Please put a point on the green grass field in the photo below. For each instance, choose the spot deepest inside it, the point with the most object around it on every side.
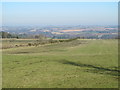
(75, 64)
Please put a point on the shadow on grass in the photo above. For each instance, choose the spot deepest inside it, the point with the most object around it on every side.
(94, 69)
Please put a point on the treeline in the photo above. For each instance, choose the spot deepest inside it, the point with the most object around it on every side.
(22, 36)
(8, 35)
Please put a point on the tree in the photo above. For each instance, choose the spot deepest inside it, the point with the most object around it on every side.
(4, 34)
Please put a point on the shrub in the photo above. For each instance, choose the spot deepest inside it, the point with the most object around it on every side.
(29, 44)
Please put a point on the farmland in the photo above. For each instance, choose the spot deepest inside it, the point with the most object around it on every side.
(76, 64)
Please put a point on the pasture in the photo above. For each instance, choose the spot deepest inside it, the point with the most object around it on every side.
(75, 64)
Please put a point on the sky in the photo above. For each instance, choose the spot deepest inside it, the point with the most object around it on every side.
(60, 0)
(59, 13)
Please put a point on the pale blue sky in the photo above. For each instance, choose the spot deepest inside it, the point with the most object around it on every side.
(60, 13)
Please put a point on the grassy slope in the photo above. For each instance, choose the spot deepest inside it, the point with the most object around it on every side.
(92, 64)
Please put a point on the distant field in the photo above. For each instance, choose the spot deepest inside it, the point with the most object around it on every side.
(72, 30)
(75, 64)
